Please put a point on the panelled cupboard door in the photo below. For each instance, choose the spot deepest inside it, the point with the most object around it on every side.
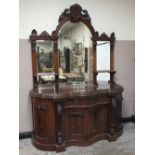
(100, 115)
(84, 123)
(44, 121)
(74, 124)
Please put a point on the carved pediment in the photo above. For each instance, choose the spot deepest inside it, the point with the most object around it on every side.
(42, 36)
(104, 36)
(44, 33)
(75, 13)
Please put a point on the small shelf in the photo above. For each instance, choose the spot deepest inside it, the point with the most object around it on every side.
(45, 73)
(106, 71)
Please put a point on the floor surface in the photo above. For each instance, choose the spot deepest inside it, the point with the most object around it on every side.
(125, 145)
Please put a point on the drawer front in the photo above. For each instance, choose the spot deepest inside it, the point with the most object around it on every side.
(87, 103)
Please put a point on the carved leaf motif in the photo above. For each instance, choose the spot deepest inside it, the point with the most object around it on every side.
(75, 13)
(75, 10)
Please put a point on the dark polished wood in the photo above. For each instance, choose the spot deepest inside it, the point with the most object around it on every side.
(75, 114)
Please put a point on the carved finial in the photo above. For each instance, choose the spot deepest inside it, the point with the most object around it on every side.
(112, 37)
(112, 40)
(34, 32)
(54, 35)
(75, 13)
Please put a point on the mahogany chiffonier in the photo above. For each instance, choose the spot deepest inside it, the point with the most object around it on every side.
(74, 100)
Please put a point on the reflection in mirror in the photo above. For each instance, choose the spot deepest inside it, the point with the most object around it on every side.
(44, 52)
(75, 52)
(103, 60)
(103, 77)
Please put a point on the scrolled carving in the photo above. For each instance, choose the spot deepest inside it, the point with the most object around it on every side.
(75, 13)
(85, 14)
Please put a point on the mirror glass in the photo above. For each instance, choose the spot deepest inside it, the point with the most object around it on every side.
(44, 53)
(103, 60)
(75, 52)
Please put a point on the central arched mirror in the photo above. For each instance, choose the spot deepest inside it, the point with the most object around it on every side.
(75, 52)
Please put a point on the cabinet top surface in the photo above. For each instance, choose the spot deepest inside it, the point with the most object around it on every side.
(75, 90)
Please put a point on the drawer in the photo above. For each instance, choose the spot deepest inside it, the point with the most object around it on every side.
(86, 102)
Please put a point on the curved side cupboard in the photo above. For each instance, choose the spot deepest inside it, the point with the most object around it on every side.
(75, 100)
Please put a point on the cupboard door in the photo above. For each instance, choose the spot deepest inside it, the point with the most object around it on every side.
(100, 120)
(74, 124)
(44, 121)
(82, 124)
